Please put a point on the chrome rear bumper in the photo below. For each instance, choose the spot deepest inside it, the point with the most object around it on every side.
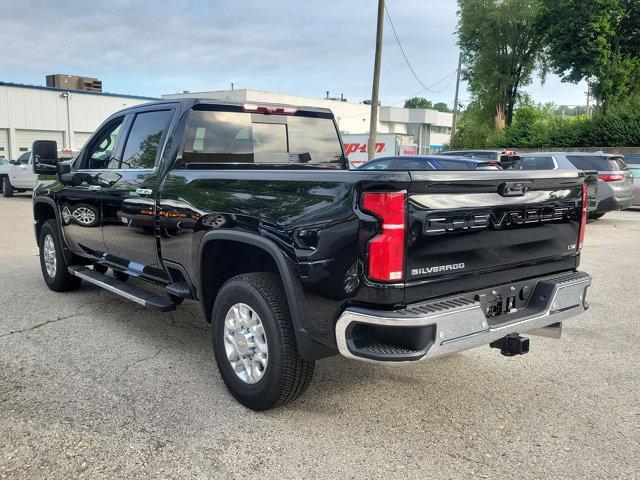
(456, 324)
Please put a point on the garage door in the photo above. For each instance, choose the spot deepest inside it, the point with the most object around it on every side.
(4, 143)
(80, 138)
(25, 138)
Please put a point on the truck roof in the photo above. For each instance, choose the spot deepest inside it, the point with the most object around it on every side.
(191, 102)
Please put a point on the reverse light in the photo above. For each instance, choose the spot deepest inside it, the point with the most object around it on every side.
(583, 219)
(269, 109)
(611, 177)
(386, 250)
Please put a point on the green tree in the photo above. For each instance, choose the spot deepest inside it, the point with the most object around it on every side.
(501, 43)
(442, 107)
(597, 41)
(418, 102)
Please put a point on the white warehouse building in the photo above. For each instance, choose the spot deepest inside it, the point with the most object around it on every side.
(430, 130)
(29, 113)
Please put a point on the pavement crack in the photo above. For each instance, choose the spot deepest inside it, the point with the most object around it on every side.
(140, 360)
(47, 322)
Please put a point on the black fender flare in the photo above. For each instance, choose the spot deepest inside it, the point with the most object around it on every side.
(308, 349)
(51, 202)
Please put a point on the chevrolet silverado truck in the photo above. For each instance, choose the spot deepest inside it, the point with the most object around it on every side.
(250, 209)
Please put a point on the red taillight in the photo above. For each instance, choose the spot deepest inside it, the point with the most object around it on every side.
(269, 109)
(386, 250)
(611, 178)
(583, 221)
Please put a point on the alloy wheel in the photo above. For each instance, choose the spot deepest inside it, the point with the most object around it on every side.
(49, 254)
(245, 343)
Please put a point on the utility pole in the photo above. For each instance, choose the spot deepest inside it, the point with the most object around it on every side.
(455, 100)
(373, 126)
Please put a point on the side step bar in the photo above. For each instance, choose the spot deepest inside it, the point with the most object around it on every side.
(144, 298)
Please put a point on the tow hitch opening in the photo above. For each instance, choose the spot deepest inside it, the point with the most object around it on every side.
(511, 345)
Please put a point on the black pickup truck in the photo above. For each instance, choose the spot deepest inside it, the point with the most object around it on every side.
(250, 210)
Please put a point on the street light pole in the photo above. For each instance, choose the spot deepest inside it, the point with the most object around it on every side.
(373, 126)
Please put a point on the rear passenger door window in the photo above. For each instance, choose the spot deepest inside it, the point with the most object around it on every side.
(537, 163)
(453, 165)
(143, 141)
(386, 164)
(413, 164)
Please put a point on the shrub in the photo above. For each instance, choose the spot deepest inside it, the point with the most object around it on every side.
(536, 126)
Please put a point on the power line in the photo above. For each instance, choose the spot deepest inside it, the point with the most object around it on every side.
(449, 75)
(406, 59)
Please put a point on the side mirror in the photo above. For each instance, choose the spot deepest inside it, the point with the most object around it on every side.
(45, 156)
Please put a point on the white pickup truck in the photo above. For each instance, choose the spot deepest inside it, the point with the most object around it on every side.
(17, 175)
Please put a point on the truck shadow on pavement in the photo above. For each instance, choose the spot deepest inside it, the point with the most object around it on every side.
(178, 343)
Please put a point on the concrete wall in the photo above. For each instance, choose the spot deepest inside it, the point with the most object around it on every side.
(40, 108)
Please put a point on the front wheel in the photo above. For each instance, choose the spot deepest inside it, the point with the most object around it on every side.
(7, 188)
(254, 342)
(594, 215)
(54, 265)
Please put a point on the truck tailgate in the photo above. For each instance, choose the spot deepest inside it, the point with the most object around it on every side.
(489, 227)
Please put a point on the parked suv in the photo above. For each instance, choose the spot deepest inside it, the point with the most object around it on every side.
(615, 179)
(250, 210)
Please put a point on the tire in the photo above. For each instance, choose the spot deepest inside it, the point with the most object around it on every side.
(123, 277)
(286, 375)
(7, 188)
(595, 216)
(52, 261)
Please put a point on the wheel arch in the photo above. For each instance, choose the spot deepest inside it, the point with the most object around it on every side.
(217, 250)
(44, 209)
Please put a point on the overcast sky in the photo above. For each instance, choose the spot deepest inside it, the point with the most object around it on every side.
(291, 46)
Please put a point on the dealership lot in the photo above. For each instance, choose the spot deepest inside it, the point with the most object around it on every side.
(93, 386)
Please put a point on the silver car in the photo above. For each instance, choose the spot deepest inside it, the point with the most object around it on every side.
(615, 180)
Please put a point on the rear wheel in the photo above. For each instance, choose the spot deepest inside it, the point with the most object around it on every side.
(254, 342)
(52, 261)
(7, 188)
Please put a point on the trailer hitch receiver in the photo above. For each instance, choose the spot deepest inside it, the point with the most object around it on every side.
(511, 345)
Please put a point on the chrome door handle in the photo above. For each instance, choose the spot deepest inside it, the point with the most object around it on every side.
(144, 191)
(95, 188)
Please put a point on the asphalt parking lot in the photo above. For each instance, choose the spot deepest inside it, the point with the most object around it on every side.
(94, 386)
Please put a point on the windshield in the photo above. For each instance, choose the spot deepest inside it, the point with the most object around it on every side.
(243, 137)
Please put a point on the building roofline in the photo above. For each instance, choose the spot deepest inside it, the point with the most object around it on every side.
(87, 92)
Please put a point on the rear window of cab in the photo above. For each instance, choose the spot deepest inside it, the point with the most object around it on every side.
(244, 137)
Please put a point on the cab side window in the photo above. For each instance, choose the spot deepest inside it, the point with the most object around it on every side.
(23, 159)
(101, 153)
(141, 149)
